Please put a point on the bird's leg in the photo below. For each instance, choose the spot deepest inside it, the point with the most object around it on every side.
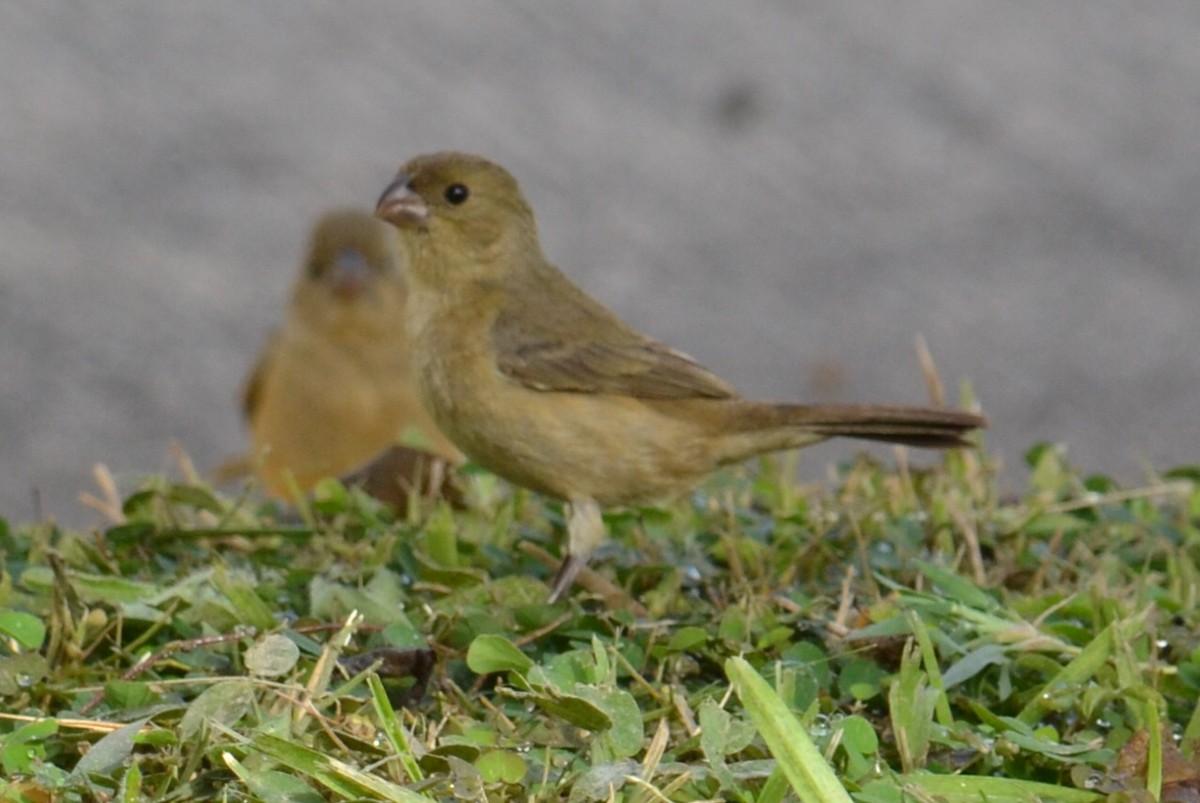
(585, 531)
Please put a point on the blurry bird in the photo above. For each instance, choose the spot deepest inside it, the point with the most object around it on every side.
(538, 382)
(332, 392)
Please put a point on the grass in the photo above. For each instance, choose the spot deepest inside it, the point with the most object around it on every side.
(892, 635)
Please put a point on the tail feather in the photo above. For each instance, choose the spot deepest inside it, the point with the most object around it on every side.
(927, 427)
(754, 427)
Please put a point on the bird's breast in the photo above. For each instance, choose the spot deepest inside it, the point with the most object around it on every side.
(610, 448)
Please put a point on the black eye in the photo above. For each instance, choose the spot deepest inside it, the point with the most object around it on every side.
(456, 193)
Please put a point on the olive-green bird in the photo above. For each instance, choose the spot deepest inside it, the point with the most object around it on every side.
(538, 382)
(333, 388)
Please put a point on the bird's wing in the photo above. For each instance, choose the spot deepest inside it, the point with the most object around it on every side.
(253, 389)
(579, 346)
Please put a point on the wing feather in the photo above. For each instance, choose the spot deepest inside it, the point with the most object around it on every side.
(579, 346)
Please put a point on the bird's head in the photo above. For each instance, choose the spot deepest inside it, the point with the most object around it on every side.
(353, 283)
(458, 209)
(349, 252)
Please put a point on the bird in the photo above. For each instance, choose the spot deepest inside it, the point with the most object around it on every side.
(332, 393)
(539, 383)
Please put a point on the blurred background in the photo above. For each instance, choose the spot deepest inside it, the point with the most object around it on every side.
(789, 191)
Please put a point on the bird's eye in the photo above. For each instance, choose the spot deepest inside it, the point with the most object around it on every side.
(456, 193)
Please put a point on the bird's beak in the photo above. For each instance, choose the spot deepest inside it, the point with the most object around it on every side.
(349, 275)
(401, 206)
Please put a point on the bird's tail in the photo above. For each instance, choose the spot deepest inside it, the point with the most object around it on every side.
(756, 427)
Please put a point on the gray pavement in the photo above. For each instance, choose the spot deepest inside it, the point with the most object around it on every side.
(790, 191)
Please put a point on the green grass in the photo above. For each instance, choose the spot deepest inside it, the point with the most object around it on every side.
(892, 635)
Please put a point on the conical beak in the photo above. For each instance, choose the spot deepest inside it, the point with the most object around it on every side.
(401, 206)
(349, 275)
